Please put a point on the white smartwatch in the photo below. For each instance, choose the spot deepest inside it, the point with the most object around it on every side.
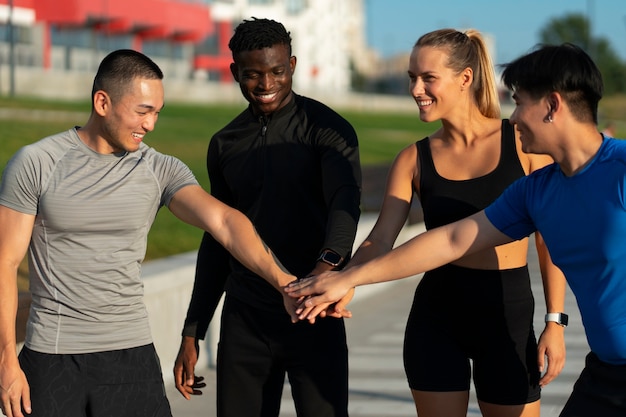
(559, 318)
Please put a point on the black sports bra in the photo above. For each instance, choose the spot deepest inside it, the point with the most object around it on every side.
(445, 201)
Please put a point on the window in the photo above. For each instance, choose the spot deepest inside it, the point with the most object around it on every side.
(296, 6)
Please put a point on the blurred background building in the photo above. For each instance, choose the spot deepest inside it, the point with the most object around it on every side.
(187, 38)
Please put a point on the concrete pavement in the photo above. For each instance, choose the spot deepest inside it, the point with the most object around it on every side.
(378, 385)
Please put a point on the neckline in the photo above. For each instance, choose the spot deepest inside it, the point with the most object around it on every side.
(481, 177)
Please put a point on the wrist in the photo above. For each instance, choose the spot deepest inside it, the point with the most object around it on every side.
(190, 330)
(351, 275)
(283, 281)
(560, 319)
(8, 356)
(330, 257)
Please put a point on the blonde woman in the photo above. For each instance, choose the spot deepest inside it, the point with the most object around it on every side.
(473, 315)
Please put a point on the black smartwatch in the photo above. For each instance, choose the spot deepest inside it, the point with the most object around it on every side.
(330, 257)
(559, 318)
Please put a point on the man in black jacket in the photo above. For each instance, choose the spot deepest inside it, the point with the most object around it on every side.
(291, 164)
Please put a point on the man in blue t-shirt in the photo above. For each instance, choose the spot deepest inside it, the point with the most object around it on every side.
(578, 204)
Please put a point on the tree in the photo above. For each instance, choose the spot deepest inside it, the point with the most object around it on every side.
(576, 28)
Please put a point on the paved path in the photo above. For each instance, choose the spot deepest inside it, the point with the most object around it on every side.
(377, 382)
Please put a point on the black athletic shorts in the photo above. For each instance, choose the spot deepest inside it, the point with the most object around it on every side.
(120, 383)
(600, 391)
(483, 316)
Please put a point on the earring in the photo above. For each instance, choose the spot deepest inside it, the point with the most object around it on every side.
(548, 119)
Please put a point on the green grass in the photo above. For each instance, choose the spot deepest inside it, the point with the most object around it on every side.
(184, 131)
(613, 108)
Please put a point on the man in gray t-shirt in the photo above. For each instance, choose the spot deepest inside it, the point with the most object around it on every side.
(81, 202)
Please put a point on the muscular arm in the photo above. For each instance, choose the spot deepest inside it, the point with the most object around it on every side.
(232, 230)
(15, 233)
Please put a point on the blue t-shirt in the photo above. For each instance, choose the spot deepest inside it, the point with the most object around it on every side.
(583, 221)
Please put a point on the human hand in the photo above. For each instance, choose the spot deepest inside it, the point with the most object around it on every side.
(14, 391)
(320, 291)
(186, 382)
(551, 345)
(330, 309)
(338, 310)
(291, 306)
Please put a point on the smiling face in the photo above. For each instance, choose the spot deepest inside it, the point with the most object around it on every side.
(530, 118)
(128, 118)
(433, 85)
(265, 77)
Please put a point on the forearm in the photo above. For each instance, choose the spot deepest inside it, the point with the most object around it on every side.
(430, 250)
(424, 252)
(343, 219)
(408, 259)
(554, 282)
(241, 239)
(554, 286)
(380, 240)
(232, 229)
(8, 313)
(369, 249)
(15, 235)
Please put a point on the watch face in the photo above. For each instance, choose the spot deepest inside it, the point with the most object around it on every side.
(564, 319)
(331, 258)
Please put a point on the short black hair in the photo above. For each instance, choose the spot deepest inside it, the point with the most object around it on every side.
(119, 68)
(254, 34)
(566, 69)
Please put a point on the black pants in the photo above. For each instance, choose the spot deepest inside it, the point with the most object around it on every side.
(258, 347)
(118, 383)
(599, 391)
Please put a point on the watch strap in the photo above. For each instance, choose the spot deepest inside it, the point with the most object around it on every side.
(559, 318)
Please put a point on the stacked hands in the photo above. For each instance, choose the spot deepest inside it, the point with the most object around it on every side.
(323, 295)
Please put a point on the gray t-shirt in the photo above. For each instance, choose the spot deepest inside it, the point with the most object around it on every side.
(93, 213)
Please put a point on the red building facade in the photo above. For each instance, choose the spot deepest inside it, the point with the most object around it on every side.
(140, 20)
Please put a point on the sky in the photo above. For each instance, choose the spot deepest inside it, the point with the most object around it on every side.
(393, 26)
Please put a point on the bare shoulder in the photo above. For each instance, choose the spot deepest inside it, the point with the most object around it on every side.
(406, 161)
(409, 153)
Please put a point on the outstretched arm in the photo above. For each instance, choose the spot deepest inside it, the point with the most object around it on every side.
(232, 229)
(424, 252)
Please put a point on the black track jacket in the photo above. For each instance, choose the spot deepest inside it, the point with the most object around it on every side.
(296, 175)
